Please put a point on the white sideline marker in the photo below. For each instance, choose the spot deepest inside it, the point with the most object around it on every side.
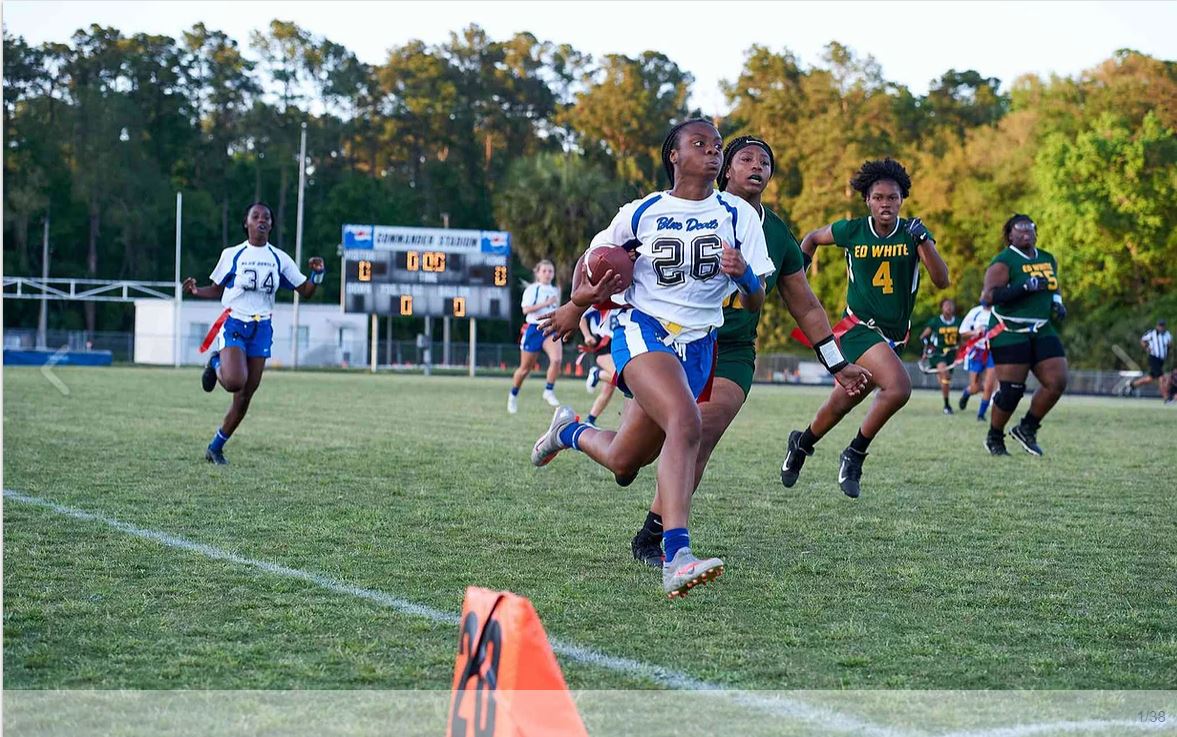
(829, 719)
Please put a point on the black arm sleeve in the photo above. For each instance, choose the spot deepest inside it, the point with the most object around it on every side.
(1007, 294)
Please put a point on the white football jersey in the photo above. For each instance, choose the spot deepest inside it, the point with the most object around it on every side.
(977, 319)
(601, 325)
(538, 294)
(251, 276)
(677, 278)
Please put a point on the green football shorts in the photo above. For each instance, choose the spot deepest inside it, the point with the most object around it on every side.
(736, 364)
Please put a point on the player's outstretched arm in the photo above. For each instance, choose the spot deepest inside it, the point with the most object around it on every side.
(212, 291)
(925, 246)
(805, 308)
(318, 270)
(823, 236)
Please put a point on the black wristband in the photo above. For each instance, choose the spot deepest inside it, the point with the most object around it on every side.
(807, 260)
(829, 355)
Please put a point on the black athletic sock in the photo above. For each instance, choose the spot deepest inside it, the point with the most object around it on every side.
(995, 433)
(807, 439)
(860, 443)
(1031, 422)
(653, 525)
(946, 403)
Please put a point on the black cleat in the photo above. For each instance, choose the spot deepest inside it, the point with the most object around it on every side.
(215, 457)
(647, 549)
(850, 471)
(1028, 438)
(626, 480)
(947, 410)
(995, 444)
(208, 379)
(795, 457)
(964, 401)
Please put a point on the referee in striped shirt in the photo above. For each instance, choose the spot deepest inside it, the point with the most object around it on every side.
(1156, 342)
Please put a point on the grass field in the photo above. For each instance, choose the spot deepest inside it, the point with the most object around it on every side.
(953, 571)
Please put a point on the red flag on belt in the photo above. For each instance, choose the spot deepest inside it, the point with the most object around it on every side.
(212, 331)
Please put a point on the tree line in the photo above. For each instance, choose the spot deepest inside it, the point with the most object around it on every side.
(543, 140)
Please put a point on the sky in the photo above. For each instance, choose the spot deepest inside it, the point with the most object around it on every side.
(918, 42)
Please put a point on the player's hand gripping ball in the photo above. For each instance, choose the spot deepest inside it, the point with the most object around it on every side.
(607, 258)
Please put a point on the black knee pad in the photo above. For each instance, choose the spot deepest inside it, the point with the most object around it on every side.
(1009, 393)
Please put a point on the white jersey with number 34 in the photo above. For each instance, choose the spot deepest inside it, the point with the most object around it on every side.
(677, 277)
(251, 276)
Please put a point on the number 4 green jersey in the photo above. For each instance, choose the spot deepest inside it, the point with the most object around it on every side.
(883, 273)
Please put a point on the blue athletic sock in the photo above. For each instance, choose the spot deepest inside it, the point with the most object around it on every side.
(215, 362)
(591, 419)
(674, 541)
(570, 435)
(549, 387)
(514, 391)
(219, 440)
(984, 407)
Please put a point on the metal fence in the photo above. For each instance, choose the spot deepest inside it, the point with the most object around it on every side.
(774, 368)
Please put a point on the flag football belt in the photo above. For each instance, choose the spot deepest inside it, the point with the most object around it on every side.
(845, 325)
(962, 353)
(602, 346)
(1032, 324)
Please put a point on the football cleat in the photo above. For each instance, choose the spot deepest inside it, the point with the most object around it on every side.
(947, 410)
(512, 403)
(593, 378)
(208, 379)
(548, 445)
(794, 459)
(215, 457)
(964, 401)
(550, 398)
(686, 571)
(647, 548)
(1028, 439)
(850, 472)
(995, 444)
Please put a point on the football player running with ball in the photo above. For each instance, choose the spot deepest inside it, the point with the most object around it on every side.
(694, 245)
(1022, 285)
(883, 257)
(748, 165)
(246, 279)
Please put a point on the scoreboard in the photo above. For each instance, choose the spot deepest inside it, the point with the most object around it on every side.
(426, 272)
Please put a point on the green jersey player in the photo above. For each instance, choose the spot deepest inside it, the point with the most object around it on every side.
(1022, 285)
(883, 255)
(941, 339)
(748, 164)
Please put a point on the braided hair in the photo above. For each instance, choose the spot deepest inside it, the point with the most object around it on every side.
(875, 171)
(671, 141)
(733, 148)
(1009, 226)
(245, 217)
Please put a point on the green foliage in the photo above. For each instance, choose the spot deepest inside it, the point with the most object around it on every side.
(553, 204)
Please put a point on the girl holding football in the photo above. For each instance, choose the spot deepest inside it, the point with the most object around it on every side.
(246, 279)
(694, 245)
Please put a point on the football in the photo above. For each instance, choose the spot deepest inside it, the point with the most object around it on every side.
(605, 258)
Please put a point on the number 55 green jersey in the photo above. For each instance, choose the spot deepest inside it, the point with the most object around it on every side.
(883, 273)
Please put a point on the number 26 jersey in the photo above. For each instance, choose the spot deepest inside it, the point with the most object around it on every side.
(883, 273)
(677, 277)
(251, 276)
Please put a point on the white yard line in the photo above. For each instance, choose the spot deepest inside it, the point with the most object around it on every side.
(829, 720)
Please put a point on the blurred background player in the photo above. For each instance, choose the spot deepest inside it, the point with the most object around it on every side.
(246, 279)
(748, 165)
(597, 327)
(1022, 285)
(941, 338)
(694, 245)
(539, 300)
(1156, 342)
(979, 360)
(883, 257)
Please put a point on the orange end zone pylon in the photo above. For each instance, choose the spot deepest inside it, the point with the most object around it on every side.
(507, 682)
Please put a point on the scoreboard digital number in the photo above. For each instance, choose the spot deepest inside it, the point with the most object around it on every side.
(426, 272)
